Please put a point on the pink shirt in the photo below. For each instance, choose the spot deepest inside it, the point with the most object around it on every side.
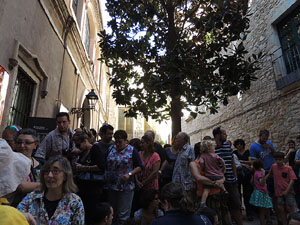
(282, 178)
(148, 169)
(258, 175)
(213, 164)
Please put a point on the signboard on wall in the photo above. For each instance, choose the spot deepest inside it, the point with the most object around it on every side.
(42, 125)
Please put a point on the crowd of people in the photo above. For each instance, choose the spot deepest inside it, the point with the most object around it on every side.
(78, 177)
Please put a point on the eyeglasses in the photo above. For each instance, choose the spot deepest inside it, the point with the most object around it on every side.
(12, 127)
(54, 172)
(25, 142)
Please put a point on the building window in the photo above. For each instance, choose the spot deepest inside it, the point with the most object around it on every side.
(289, 34)
(287, 65)
(86, 40)
(22, 100)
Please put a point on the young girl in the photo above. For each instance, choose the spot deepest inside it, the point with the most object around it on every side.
(213, 167)
(259, 196)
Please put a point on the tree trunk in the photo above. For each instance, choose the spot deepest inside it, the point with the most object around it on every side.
(176, 113)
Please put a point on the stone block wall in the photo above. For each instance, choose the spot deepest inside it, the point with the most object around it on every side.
(263, 106)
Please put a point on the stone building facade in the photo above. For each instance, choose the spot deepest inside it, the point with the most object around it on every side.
(49, 53)
(273, 101)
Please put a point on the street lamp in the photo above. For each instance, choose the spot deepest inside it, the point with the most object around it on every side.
(92, 99)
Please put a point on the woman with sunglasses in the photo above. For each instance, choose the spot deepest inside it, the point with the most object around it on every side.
(88, 177)
(26, 142)
(55, 202)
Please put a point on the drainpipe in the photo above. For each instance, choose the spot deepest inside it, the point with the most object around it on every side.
(69, 23)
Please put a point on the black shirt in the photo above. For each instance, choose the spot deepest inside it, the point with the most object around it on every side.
(50, 206)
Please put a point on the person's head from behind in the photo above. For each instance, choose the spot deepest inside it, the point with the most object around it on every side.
(258, 164)
(136, 142)
(63, 122)
(83, 139)
(120, 137)
(9, 134)
(210, 214)
(167, 146)
(150, 199)
(197, 149)
(57, 174)
(263, 136)
(147, 144)
(239, 144)
(207, 138)
(106, 133)
(173, 197)
(102, 214)
(207, 147)
(279, 158)
(294, 219)
(26, 141)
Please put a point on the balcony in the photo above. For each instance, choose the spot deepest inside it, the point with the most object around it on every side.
(286, 66)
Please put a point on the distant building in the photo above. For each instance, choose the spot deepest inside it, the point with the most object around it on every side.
(273, 101)
(49, 51)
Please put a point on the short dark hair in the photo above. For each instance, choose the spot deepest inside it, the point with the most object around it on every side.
(291, 141)
(100, 211)
(105, 127)
(62, 114)
(147, 197)
(264, 131)
(278, 155)
(136, 142)
(258, 164)
(120, 134)
(197, 149)
(239, 141)
(28, 131)
(217, 131)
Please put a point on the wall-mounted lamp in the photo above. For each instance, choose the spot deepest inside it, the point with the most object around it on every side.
(92, 99)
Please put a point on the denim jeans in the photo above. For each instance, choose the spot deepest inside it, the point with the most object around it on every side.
(121, 202)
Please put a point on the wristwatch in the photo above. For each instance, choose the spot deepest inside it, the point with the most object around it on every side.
(130, 174)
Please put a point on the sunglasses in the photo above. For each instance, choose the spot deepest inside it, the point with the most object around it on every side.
(12, 127)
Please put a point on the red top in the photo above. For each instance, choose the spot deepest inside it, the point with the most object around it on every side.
(148, 169)
(282, 178)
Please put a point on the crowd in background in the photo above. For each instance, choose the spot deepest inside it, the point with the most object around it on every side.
(85, 177)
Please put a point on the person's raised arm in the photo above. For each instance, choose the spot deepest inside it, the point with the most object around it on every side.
(198, 177)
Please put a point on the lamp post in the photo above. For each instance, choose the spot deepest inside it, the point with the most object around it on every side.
(92, 99)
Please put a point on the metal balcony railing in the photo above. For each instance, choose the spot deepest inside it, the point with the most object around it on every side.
(286, 66)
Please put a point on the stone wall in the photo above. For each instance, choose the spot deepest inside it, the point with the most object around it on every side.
(263, 106)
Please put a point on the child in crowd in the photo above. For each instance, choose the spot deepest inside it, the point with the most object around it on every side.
(213, 167)
(259, 196)
(284, 178)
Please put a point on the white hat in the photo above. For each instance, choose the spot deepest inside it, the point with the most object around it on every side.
(14, 168)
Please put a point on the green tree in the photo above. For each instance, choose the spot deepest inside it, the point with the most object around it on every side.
(166, 55)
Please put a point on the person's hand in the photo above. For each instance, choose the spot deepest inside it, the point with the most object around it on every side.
(30, 218)
(125, 177)
(78, 166)
(75, 152)
(267, 146)
(285, 193)
(218, 183)
(139, 184)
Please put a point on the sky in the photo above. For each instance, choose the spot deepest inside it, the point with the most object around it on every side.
(164, 128)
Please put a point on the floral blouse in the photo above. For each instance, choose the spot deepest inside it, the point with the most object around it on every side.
(69, 209)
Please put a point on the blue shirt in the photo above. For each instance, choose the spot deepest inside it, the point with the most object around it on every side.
(176, 217)
(257, 151)
(225, 152)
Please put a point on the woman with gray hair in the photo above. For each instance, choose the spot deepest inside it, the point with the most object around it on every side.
(56, 202)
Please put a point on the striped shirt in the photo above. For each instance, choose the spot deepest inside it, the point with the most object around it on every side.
(225, 152)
